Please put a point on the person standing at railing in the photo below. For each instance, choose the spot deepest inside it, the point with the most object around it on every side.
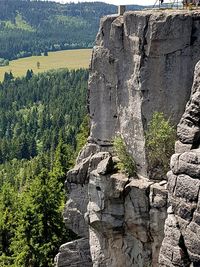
(189, 3)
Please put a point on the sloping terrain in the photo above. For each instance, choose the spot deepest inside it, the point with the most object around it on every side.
(31, 27)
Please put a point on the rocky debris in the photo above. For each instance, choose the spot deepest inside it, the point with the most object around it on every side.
(74, 254)
(181, 245)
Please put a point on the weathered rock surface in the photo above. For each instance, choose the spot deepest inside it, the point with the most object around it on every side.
(142, 62)
(181, 245)
(74, 254)
(123, 216)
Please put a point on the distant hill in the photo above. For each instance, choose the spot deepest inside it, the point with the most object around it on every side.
(32, 27)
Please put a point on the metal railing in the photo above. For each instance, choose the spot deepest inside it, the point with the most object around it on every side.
(173, 4)
(176, 4)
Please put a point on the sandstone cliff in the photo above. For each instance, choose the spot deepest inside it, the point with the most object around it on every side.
(142, 62)
(181, 245)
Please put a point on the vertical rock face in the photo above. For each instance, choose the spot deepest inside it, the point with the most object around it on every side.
(181, 245)
(142, 62)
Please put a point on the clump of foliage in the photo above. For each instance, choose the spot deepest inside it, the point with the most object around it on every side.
(4, 62)
(126, 163)
(160, 139)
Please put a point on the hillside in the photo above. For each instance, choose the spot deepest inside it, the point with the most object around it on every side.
(31, 27)
(43, 124)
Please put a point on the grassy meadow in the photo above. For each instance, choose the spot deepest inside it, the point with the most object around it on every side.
(71, 59)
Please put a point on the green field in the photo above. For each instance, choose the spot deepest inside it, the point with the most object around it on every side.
(71, 59)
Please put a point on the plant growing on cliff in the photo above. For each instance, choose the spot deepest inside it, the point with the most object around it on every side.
(160, 139)
(126, 163)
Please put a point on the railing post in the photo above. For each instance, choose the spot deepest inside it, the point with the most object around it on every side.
(121, 10)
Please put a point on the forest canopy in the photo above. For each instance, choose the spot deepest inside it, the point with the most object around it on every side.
(34, 27)
(43, 124)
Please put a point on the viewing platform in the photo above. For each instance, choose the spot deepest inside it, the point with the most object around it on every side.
(167, 5)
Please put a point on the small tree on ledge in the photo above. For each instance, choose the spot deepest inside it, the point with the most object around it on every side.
(160, 140)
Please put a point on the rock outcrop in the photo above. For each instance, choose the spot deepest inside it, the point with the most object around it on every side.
(181, 245)
(142, 62)
(75, 253)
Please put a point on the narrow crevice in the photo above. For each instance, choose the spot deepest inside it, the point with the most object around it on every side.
(193, 37)
(184, 255)
(143, 42)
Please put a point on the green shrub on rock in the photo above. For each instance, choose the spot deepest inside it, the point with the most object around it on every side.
(126, 163)
(160, 139)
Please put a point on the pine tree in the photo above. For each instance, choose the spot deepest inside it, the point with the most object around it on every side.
(8, 207)
(40, 228)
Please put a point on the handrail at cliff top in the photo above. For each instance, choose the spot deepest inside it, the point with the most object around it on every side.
(156, 3)
(171, 4)
(176, 4)
(161, 4)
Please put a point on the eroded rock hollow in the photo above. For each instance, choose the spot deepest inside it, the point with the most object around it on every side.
(142, 62)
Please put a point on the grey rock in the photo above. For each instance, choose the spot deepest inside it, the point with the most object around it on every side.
(137, 208)
(192, 242)
(79, 174)
(181, 245)
(142, 62)
(184, 212)
(75, 208)
(97, 158)
(138, 57)
(170, 210)
(181, 148)
(88, 150)
(188, 163)
(145, 206)
(74, 254)
(171, 182)
(188, 129)
(164, 182)
(105, 166)
(187, 187)
(158, 196)
(105, 207)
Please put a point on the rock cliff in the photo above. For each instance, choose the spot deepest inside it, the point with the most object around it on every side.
(142, 62)
(181, 245)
